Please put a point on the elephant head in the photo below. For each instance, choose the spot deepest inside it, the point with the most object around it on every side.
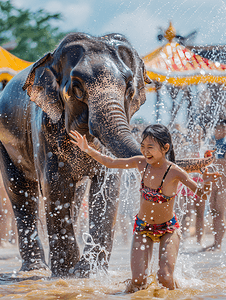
(98, 82)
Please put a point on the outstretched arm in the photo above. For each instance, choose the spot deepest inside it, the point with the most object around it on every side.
(109, 162)
(200, 190)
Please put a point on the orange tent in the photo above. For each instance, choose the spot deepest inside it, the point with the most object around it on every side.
(10, 65)
(176, 65)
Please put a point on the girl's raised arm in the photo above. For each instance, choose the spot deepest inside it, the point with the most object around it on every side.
(109, 162)
(201, 190)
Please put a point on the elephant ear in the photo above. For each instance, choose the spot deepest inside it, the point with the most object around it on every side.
(43, 89)
(145, 75)
(141, 78)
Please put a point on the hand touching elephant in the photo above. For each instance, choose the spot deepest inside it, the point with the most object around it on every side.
(89, 84)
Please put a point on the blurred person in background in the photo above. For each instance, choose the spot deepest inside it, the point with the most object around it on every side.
(217, 199)
(193, 205)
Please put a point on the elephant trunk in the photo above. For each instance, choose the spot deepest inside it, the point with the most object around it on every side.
(108, 122)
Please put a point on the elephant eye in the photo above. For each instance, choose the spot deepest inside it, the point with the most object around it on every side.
(77, 89)
(130, 90)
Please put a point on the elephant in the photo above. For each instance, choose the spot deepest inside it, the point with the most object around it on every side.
(92, 85)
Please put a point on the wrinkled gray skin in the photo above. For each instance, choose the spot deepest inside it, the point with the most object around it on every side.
(89, 84)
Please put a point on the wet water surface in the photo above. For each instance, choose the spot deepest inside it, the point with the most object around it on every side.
(201, 275)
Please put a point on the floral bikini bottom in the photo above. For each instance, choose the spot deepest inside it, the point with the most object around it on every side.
(155, 231)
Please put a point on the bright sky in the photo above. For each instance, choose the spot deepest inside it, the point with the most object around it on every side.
(139, 20)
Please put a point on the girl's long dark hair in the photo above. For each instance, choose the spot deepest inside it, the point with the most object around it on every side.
(162, 136)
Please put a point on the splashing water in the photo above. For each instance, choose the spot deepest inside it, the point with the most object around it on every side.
(197, 273)
(201, 275)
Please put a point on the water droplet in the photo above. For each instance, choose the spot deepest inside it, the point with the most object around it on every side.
(49, 154)
(142, 247)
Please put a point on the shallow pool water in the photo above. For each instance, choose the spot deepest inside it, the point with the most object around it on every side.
(201, 275)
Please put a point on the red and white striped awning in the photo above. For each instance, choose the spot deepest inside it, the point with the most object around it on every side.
(176, 65)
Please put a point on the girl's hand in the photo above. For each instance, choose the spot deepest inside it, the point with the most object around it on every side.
(210, 177)
(79, 140)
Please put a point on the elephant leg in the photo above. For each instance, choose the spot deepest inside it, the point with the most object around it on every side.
(23, 194)
(103, 205)
(80, 193)
(59, 192)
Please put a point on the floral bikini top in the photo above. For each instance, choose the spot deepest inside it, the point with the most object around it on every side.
(153, 195)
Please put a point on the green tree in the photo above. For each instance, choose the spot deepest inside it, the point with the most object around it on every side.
(32, 31)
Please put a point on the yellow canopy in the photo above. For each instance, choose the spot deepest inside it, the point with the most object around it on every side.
(10, 65)
(176, 65)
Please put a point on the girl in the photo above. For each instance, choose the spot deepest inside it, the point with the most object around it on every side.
(156, 220)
